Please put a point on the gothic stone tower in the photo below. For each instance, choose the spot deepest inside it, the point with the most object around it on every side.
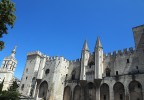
(7, 69)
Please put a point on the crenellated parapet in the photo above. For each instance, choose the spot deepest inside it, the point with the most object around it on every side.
(124, 52)
(56, 58)
(75, 61)
(38, 53)
(34, 53)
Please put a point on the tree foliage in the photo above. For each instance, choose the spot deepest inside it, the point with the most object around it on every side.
(13, 87)
(11, 94)
(7, 18)
(1, 86)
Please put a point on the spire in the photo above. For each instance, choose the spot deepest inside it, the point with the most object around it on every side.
(13, 52)
(98, 43)
(85, 46)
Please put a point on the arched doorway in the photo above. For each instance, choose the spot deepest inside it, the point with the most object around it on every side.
(135, 90)
(67, 93)
(104, 92)
(90, 92)
(119, 91)
(77, 93)
(43, 90)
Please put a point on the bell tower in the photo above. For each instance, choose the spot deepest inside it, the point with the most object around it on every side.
(9, 63)
(8, 68)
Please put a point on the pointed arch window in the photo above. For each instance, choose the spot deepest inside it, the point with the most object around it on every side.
(73, 75)
(108, 72)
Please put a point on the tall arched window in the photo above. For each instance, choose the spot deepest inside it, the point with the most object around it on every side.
(104, 92)
(77, 93)
(135, 90)
(90, 91)
(43, 90)
(119, 91)
(67, 93)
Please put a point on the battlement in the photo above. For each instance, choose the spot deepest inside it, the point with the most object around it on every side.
(51, 58)
(123, 52)
(35, 53)
(59, 58)
(75, 61)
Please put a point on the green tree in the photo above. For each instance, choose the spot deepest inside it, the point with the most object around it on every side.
(1, 86)
(11, 94)
(13, 87)
(7, 18)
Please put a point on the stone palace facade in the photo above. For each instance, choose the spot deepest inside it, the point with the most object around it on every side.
(95, 76)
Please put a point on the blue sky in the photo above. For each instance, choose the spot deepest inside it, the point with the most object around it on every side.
(59, 27)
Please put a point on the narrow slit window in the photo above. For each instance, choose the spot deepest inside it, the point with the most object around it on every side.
(139, 86)
(116, 72)
(136, 67)
(127, 60)
(27, 70)
(22, 87)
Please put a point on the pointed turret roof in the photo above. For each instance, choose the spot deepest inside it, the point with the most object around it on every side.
(13, 52)
(85, 46)
(98, 43)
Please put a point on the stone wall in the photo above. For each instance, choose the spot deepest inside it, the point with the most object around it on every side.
(125, 87)
(95, 76)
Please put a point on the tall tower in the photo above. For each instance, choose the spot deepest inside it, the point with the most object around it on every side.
(8, 68)
(98, 59)
(35, 60)
(138, 33)
(84, 60)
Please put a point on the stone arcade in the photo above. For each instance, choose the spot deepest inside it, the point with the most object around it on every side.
(95, 76)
